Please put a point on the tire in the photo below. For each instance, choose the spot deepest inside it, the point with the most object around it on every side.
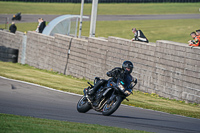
(7, 50)
(2, 49)
(12, 51)
(8, 56)
(108, 109)
(9, 60)
(83, 106)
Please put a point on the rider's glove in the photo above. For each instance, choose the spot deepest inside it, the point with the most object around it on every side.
(127, 92)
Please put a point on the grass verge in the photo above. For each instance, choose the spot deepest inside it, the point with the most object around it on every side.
(103, 8)
(172, 30)
(71, 84)
(22, 124)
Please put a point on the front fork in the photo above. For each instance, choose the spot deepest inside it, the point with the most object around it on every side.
(113, 96)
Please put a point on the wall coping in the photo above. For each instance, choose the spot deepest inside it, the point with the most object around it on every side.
(100, 39)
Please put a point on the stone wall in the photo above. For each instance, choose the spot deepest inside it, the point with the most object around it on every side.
(177, 71)
(167, 68)
(47, 52)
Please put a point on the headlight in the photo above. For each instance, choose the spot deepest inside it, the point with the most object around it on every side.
(121, 87)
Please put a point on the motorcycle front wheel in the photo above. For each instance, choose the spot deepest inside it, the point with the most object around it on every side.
(111, 107)
(83, 106)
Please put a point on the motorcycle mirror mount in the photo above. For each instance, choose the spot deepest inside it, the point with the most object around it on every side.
(131, 86)
(135, 81)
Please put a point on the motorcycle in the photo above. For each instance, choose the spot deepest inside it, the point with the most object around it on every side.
(108, 97)
(17, 16)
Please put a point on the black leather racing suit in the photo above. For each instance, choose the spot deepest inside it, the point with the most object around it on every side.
(115, 73)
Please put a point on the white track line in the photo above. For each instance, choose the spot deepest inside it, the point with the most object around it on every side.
(41, 86)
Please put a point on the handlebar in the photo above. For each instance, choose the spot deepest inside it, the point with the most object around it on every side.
(90, 85)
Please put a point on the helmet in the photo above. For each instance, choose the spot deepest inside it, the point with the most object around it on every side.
(127, 64)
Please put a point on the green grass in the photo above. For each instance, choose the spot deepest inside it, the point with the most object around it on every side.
(103, 9)
(172, 30)
(22, 124)
(71, 84)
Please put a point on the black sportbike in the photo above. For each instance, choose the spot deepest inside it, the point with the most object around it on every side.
(107, 99)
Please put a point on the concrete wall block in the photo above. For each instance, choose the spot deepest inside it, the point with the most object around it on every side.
(62, 37)
(96, 55)
(111, 58)
(192, 67)
(192, 97)
(96, 50)
(194, 50)
(79, 46)
(134, 49)
(91, 74)
(93, 40)
(116, 55)
(118, 46)
(194, 74)
(98, 46)
(142, 61)
(95, 60)
(76, 65)
(79, 61)
(180, 48)
(193, 56)
(78, 54)
(119, 51)
(80, 41)
(119, 40)
(192, 62)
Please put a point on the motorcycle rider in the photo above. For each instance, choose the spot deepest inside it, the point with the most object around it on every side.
(139, 36)
(123, 73)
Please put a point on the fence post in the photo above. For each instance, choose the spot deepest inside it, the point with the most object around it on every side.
(76, 28)
(24, 41)
(7, 23)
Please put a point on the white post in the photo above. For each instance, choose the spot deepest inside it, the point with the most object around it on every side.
(81, 18)
(76, 28)
(7, 23)
(93, 18)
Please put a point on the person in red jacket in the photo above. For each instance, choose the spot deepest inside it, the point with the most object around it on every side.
(198, 34)
(195, 42)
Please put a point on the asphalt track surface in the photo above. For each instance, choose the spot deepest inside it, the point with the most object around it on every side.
(27, 99)
(33, 18)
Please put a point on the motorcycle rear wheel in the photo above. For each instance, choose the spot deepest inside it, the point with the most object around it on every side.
(83, 106)
(111, 107)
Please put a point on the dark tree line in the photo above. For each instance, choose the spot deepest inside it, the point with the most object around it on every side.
(109, 1)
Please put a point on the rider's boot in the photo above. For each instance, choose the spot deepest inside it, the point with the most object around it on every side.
(96, 87)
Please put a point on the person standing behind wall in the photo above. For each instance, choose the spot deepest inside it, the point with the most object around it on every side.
(37, 29)
(13, 28)
(195, 42)
(139, 36)
(198, 34)
(42, 25)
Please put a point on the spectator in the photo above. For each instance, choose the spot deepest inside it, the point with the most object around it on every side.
(195, 42)
(13, 27)
(41, 25)
(198, 34)
(139, 36)
(37, 29)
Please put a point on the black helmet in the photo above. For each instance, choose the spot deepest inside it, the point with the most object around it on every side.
(127, 64)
